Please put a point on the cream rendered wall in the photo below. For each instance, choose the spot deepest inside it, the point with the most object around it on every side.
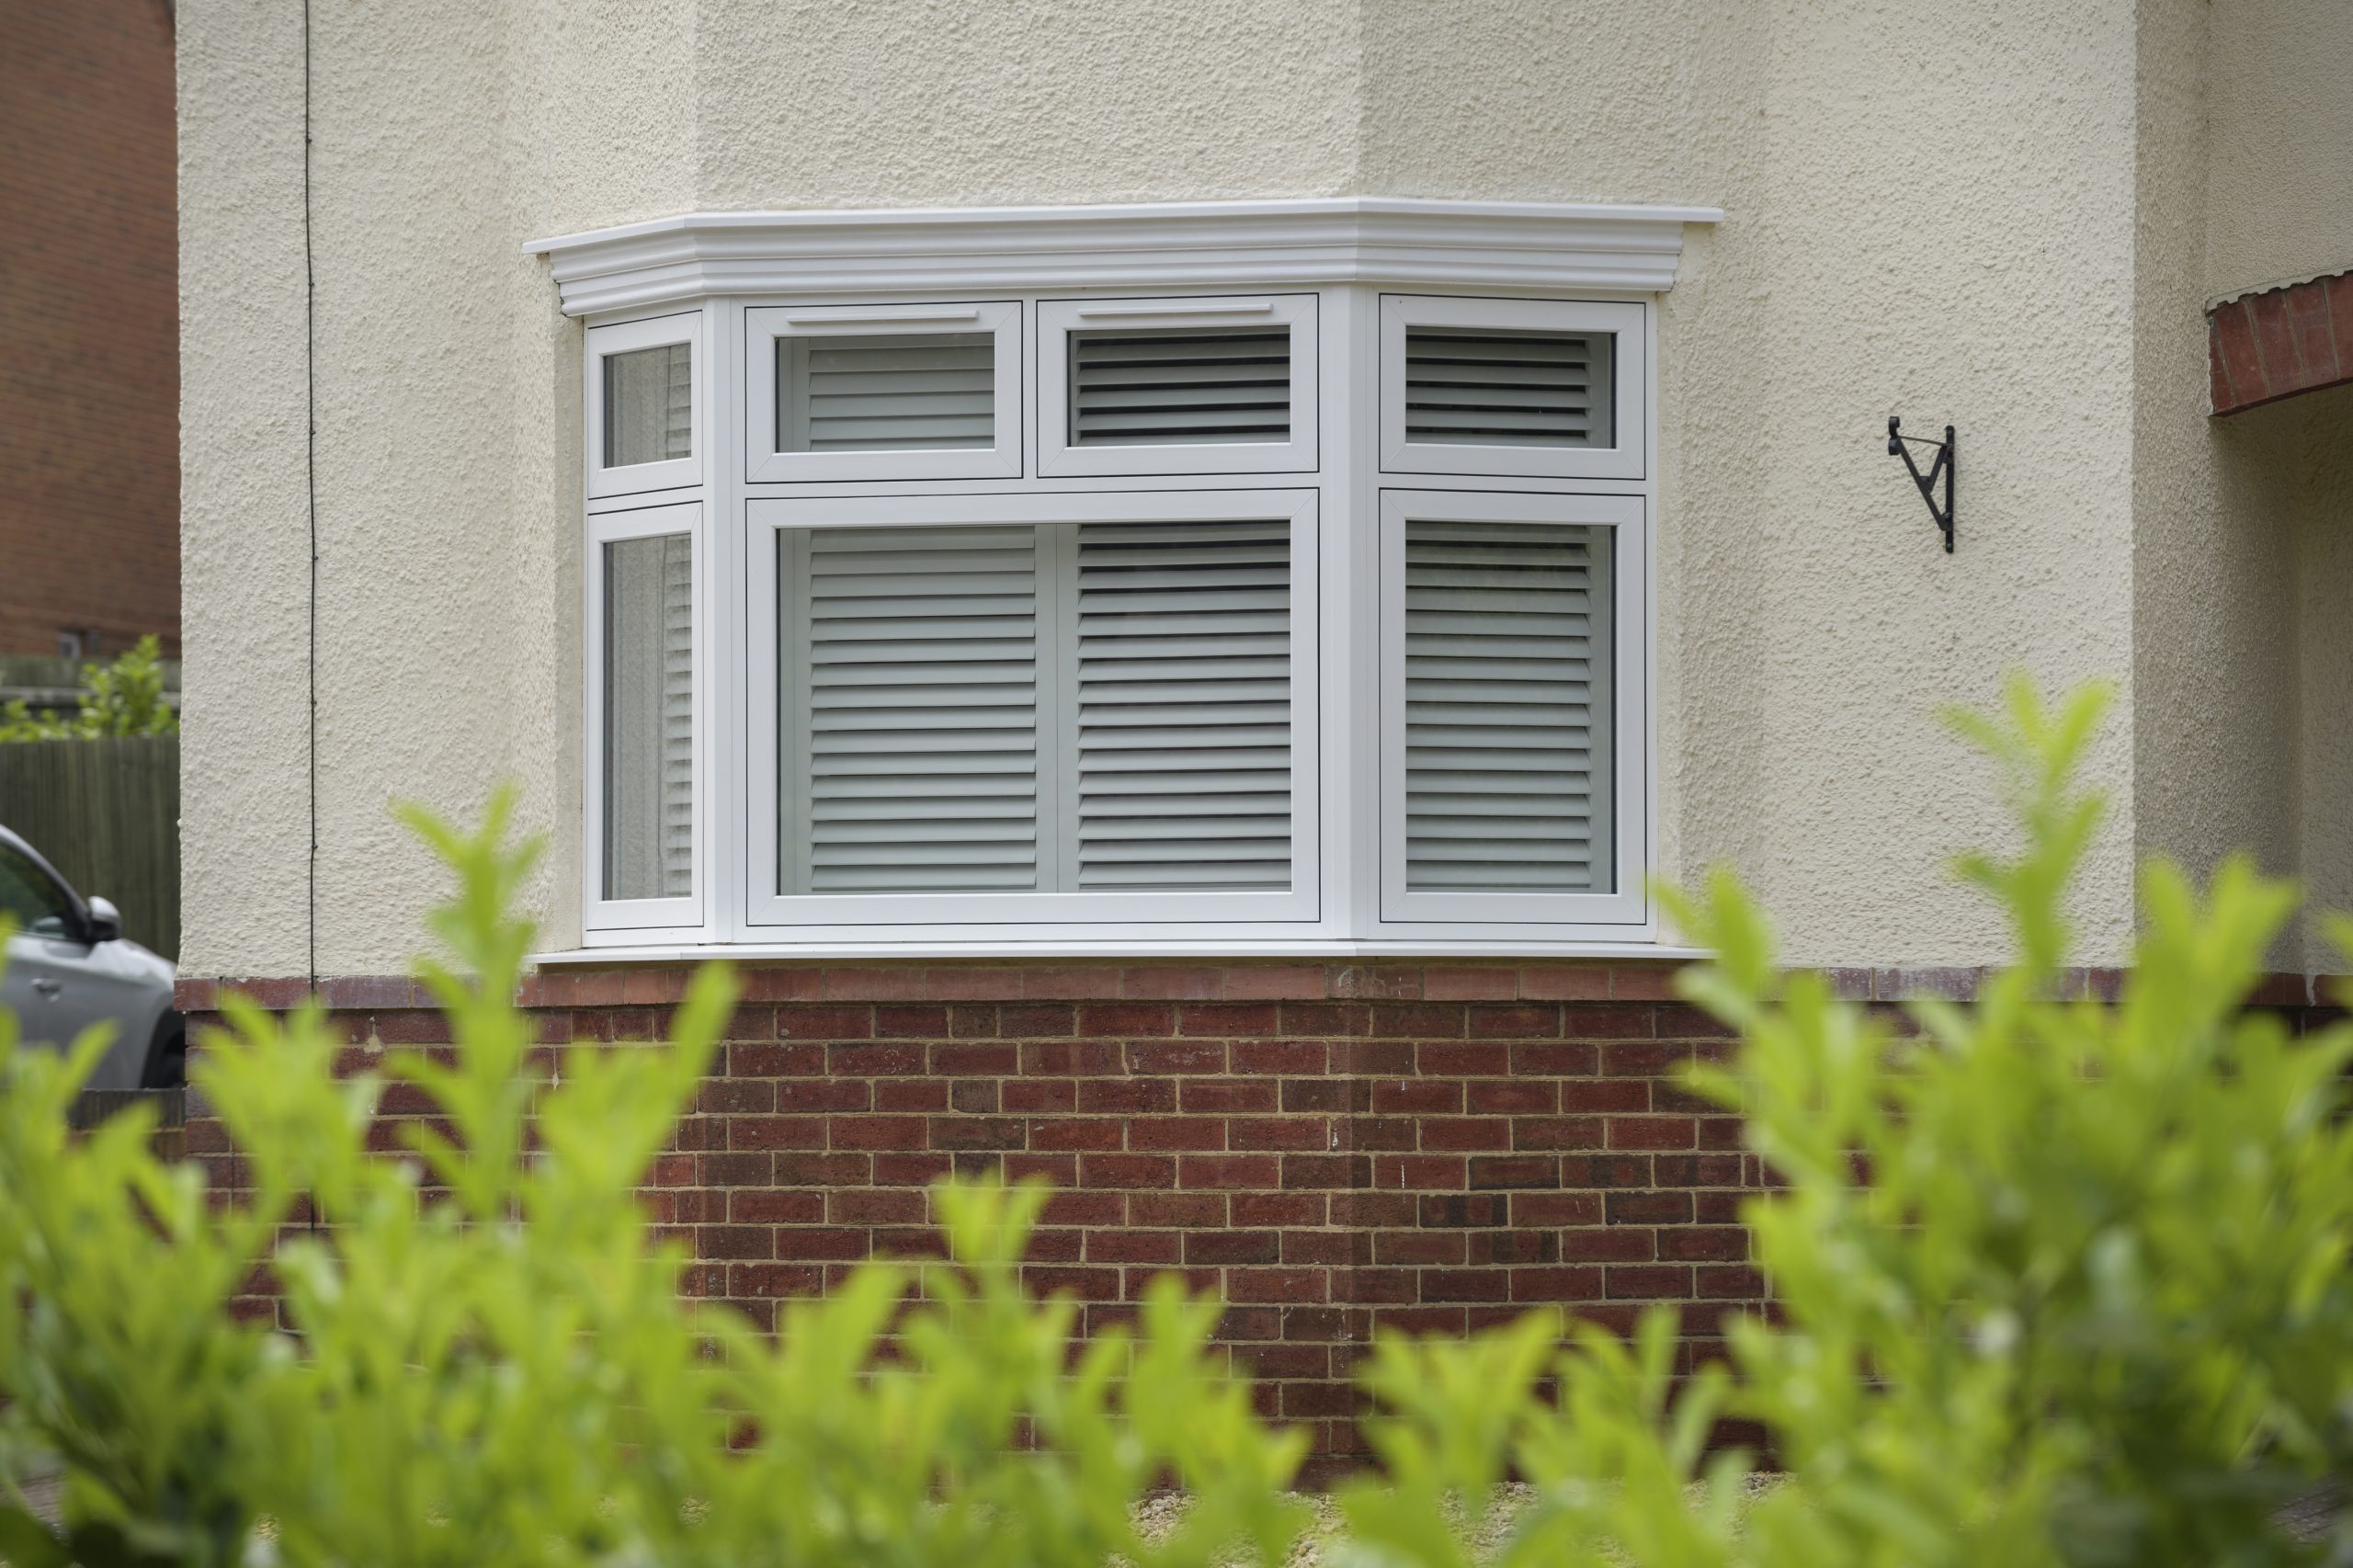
(1930, 214)
(2280, 182)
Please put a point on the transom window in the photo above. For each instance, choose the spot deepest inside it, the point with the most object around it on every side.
(1107, 619)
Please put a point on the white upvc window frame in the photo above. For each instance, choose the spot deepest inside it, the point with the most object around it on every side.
(625, 337)
(773, 916)
(644, 919)
(1058, 320)
(1629, 459)
(768, 328)
(1624, 516)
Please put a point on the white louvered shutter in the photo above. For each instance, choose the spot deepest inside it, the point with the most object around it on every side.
(1184, 732)
(1508, 729)
(1180, 387)
(1509, 389)
(678, 720)
(886, 391)
(912, 692)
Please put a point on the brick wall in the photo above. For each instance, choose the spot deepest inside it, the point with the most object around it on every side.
(90, 325)
(1332, 1149)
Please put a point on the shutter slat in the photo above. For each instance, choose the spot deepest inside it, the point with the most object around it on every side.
(1179, 387)
(1184, 707)
(1512, 389)
(918, 721)
(1508, 739)
(887, 392)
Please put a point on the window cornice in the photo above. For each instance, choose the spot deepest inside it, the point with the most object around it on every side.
(1538, 247)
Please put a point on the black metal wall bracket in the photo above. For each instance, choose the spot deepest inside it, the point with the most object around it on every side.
(1942, 467)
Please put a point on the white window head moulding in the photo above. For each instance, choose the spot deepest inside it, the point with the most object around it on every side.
(1170, 246)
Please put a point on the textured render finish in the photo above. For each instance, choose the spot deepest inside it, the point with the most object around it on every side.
(1922, 212)
(1931, 220)
(2280, 182)
(245, 549)
(2215, 743)
(813, 103)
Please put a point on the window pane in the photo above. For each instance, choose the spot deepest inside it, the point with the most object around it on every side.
(28, 897)
(886, 391)
(1509, 389)
(1510, 753)
(1183, 712)
(910, 676)
(1130, 389)
(1066, 708)
(649, 717)
(649, 405)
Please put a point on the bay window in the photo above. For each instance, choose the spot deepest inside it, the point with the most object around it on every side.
(1036, 582)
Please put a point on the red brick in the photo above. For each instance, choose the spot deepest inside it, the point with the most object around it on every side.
(1419, 1247)
(1489, 1172)
(806, 1170)
(1643, 983)
(1229, 1172)
(973, 983)
(1277, 1133)
(1128, 1170)
(775, 1061)
(1714, 1282)
(1556, 1133)
(1215, 1248)
(1223, 1096)
(910, 1095)
(1137, 1246)
(1277, 1285)
(1179, 1210)
(1565, 1058)
(733, 1242)
(1556, 1283)
(1280, 1057)
(1420, 1173)
(1325, 1018)
(1301, 1171)
(1514, 1020)
(1391, 1057)
(977, 1131)
(1091, 1135)
(776, 1132)
(1279, 982)
(1030, 1096)
(1525, 1097)
(800, 1244)
(1080, 1284)
(1624, 1243)
(1462, 1210)
(910, 1169)
(1649, 1208)
(1465, 1285)
(774, 1280)
(801, 983)
(1462, 1134)
(869, 1207)
(1175, 1056)
(1031, 1020)
(816, 1021)
(1127, 1018)
(1060, 1170)
(1081, 1058)
(1228, 1018)
(1453, 982)
(1563, 983)
(1639, 1282)
(908, 1021)
(1703, 1245)
(1372, 1134)
(1170, 1133)
(1416, 1020)
(1278, 1209)
(1173, 983)
(1417, 1097)
(1126, 1097)
(1653, 1132)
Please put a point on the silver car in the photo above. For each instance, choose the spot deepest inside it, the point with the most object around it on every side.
(70, 966)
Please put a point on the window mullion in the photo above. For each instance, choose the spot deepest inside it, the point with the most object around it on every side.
(1057, 706)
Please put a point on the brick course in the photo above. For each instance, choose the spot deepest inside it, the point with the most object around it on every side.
(2278, 341)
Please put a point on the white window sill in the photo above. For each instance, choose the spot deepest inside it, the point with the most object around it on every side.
(1237, 951)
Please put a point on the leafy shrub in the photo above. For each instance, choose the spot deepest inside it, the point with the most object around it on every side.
(125, 698)
(2089, 1307)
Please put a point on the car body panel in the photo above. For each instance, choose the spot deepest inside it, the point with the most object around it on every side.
(60, 981)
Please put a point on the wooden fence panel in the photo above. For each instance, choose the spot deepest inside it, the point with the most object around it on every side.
(107, 814)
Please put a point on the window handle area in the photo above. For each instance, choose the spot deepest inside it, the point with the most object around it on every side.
(49, 989)
(1187, 308)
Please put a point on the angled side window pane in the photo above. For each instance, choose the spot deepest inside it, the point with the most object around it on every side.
(1510, 745)
(648, 759)
(1465, 387)
(649, 405)
(886, 391)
